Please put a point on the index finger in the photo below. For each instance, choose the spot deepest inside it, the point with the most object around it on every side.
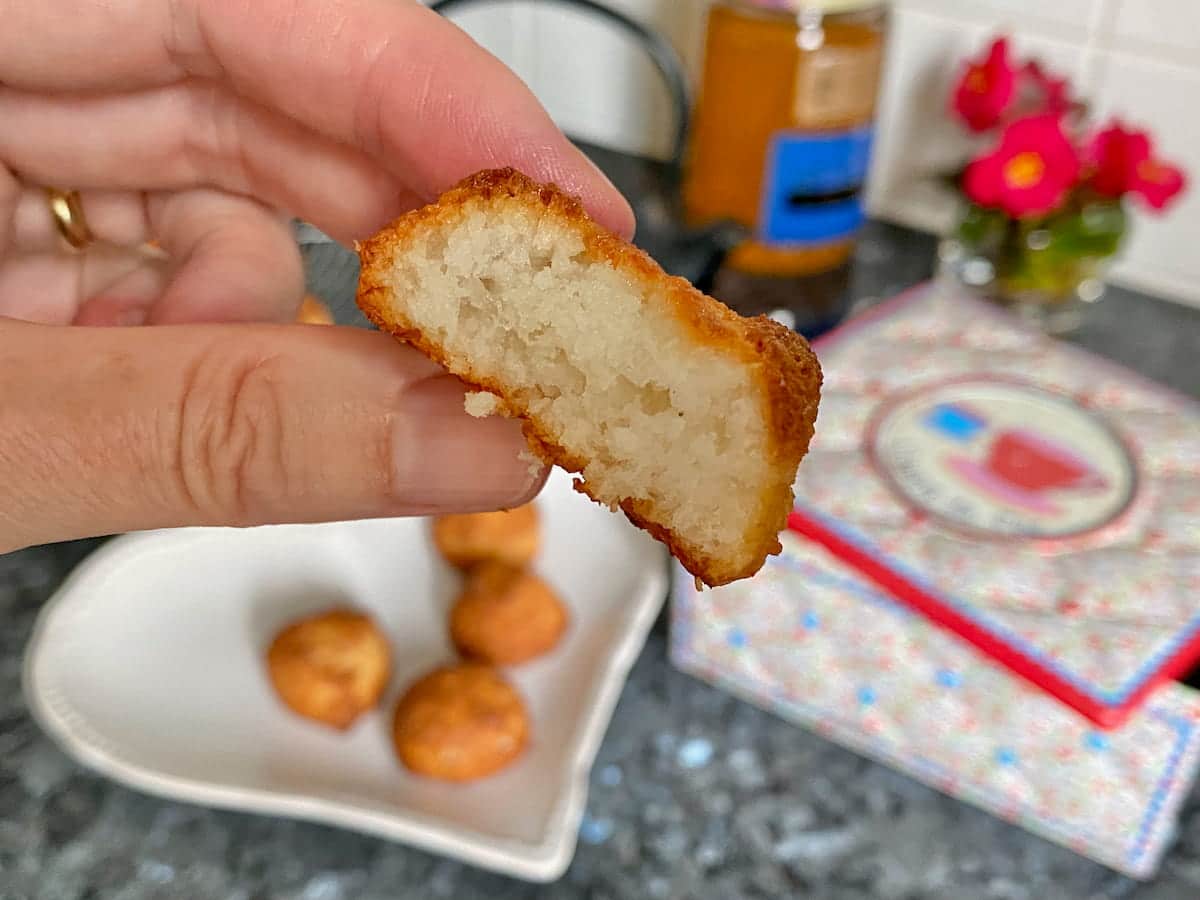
(387, 76)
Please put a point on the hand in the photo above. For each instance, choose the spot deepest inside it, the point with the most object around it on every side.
(203, 125)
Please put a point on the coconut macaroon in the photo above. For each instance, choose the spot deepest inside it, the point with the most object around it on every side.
(509, 536)
(460, 722)
(331, 667)
(506, 616)
(670, 406)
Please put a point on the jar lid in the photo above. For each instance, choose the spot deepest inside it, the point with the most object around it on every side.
(822, 6)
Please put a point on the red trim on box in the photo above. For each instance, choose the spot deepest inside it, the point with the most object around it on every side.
(938, 611)
(942, 613)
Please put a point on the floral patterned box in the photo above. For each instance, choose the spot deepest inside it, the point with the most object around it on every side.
(992, 575)
(809, 639)
(1040, 502)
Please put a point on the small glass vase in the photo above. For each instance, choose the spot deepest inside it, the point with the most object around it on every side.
(1047, 272)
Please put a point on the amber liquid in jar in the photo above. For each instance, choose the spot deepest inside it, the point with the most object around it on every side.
(781, 132)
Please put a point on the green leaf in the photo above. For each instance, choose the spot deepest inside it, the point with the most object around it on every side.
(1051, 255)
(982, 228)
(1054, 255)
(1096, 231)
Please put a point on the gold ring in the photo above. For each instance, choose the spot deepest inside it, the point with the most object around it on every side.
(72, 224)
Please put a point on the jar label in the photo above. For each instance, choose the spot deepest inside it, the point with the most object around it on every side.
(812, 187)
(836, 86)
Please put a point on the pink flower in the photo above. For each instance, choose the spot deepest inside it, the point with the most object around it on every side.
(1123, 162)
(1114, 155)
(1159, 183)
(1053, 94)
(1030, 172)
(986, 88)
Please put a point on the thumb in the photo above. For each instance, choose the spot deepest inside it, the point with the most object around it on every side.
(105, 430)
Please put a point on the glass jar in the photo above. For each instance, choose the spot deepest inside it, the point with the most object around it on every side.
(782, 128)
(1046, 271)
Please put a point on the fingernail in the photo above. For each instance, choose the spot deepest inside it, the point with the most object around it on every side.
(447, 460)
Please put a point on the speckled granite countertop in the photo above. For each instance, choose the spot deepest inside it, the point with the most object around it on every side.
(694, 796)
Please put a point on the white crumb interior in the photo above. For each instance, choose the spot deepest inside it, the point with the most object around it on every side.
(610, 373)
(481, 404)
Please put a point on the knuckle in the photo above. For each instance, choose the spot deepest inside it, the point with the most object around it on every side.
(370, 116)
(215, 147)
(232, 449)
(10, 195)
(199, 144)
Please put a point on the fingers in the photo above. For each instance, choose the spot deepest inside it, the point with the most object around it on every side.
(397, 81)
(228, 258)
(114, 217)
(387, 79)
(125, 300)
(231, 260)
(49, 287)
(41, 282)
(109, 430)
(40, 288)
(196, 133)
(59, 46)
(10, 196)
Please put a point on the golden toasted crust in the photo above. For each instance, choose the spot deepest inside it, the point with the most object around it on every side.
(459, 723)
(330, 667)
(468, 539)
(506, 616)
(779, 359)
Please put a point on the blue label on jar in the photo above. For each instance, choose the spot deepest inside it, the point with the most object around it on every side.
(812, 189)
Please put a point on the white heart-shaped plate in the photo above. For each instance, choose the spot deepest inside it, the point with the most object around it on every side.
(147, 666)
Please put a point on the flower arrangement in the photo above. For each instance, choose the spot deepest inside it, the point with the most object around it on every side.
(1046, 197)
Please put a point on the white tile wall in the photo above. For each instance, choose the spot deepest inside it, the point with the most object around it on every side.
(916, 138)
(1137, 58)
(1069, 18)
(1150, 27)
(1162, 97)
(594, 79)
